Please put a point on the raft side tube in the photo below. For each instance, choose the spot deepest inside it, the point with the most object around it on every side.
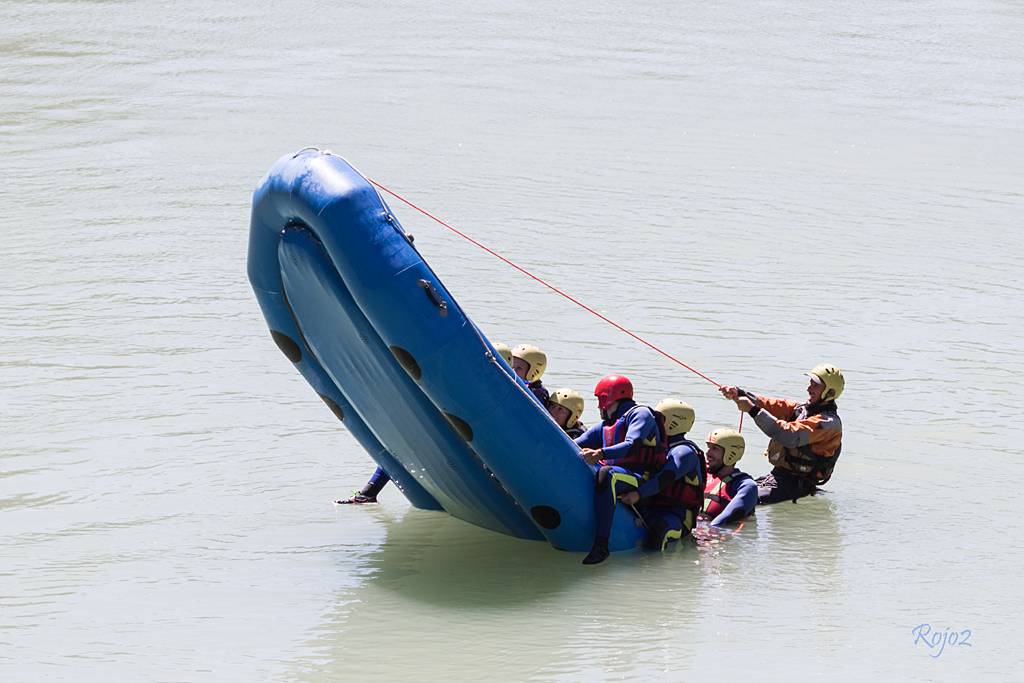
(384, 395)
(278, 315)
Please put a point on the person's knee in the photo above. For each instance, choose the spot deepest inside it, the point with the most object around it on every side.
(656, 530)
(658, 526)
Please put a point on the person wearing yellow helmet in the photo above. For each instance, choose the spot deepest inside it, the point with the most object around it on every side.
(505, 351)
(730, 495)
(529, 364)
(671, 498)
(565, 407)
(806, 438)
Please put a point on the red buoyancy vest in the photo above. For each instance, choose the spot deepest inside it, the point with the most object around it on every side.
(716, 493)
(687, 492)
(647, 455)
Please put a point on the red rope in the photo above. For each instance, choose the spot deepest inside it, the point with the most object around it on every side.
(554, 289)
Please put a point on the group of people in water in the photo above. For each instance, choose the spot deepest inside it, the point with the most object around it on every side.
(645, 460)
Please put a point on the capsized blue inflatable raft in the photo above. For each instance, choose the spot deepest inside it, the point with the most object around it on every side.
(356, 308)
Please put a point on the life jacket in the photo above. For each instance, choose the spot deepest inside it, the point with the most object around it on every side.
(687, 492)
(802, 460)
(716, 494)
(645, 456)
(576, 431)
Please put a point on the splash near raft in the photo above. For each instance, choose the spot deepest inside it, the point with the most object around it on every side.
(355, 307)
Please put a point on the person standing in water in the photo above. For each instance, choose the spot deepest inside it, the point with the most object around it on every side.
(730, 495)
(806, 438)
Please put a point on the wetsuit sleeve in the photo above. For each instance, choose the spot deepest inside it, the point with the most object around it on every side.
(795, 433)
(641, 426)
(682, 462)
(591, 438)
(779, 407)
(741, 505)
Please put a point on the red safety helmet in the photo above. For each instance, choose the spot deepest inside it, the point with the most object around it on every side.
(612, 388)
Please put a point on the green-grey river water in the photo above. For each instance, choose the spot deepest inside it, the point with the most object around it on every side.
(754, 186)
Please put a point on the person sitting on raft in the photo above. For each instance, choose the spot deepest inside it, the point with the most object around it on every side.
(730, 495)
(806, 438)
(529, 363)
(565, 407)
(628, 444)
(672, 497)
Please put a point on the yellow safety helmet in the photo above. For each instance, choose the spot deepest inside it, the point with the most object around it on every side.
(572, 401)
(536, 358)
(731, 441)
(505, 351)
(679, 415)
(831, 377)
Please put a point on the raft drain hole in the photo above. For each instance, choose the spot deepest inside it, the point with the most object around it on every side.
(546, 516)
(461, 426)
(333, 405)
(287, 345)
(407, 362)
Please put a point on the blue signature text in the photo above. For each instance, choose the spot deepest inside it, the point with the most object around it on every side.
(936, 641)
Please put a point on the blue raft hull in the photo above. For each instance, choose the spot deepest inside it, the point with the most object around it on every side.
(356, 308)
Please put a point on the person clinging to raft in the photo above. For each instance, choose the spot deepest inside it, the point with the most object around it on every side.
(806, 438)
(529, 364)
(565, 407)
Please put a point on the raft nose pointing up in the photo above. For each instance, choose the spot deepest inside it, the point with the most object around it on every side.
(355, 306)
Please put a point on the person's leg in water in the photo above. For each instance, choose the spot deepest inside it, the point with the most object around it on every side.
(665, 525)
(368, 494)
(779, 485)
(611, 482)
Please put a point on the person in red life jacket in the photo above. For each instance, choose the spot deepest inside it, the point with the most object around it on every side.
(806, 438)
(628, 444)
(529, 363)
(730, 495)
(672, 497)
(565, 407)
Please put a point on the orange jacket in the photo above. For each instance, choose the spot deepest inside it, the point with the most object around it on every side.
(798, 429)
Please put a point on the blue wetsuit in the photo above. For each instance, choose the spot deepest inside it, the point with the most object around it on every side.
(377, 482)
(612, 480)
(666, 516)
(743, 491)
(639, 425)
